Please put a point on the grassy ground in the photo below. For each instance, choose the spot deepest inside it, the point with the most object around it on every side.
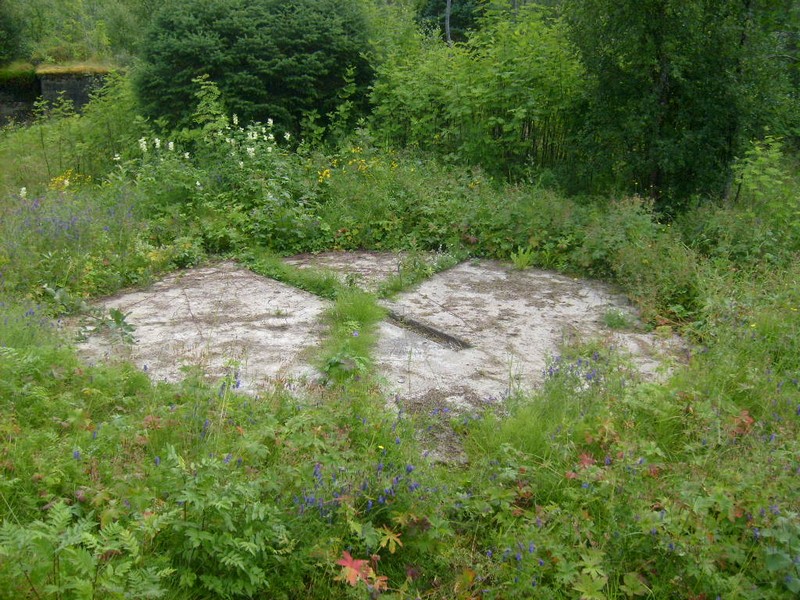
(593, 486)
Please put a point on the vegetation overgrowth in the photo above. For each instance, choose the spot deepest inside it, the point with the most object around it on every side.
(596, 485)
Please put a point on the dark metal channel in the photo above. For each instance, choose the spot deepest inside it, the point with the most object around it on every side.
(440, 337)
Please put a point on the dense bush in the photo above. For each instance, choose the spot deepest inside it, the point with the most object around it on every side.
(271, 59)
(500, 100)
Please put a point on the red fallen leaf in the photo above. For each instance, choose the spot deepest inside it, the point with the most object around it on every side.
(381, 583)
(586, 460)
(354, 569)
(571, 475)
(743, 423)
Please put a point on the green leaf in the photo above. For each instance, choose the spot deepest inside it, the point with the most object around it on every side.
(590, 588)
(777, 560)
(633, 584)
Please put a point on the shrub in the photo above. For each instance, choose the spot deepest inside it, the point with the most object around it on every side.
(270, 59)
(509, 120)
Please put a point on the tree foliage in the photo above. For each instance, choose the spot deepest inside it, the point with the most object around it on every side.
(675, 90)
(270, 59)
(9, 33)
(464, 16)
(500, 100)
(78, 30)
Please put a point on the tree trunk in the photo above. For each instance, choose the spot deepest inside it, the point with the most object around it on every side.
(448, 9)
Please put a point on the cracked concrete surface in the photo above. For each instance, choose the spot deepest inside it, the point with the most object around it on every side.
(220, 318)
(223, 317)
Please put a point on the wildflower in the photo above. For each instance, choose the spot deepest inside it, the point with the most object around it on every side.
(186, 155)
(157, 143)
(235, 119)
(227, 458)
(287, 136)
(269, 148)
(76, 454)
(251, 152)
(23, 192)
(143, 144)
(171, 146)
(157, 460)
(269, 122)
(117, 158)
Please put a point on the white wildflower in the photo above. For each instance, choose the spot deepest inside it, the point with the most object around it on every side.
(157, 143)
(251, 152)
(143, 144)
(23, 192)
(171, 146)
(270, 137)
(287, 136)
(269, 148)
(66, 183)
(235, 119)
(241, 164)
(269, 122)
(186, 155)
(117, 158)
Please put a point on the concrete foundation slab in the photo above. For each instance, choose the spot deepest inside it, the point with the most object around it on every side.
(221, 318)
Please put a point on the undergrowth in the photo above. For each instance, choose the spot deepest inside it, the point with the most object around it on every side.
(596, 485)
